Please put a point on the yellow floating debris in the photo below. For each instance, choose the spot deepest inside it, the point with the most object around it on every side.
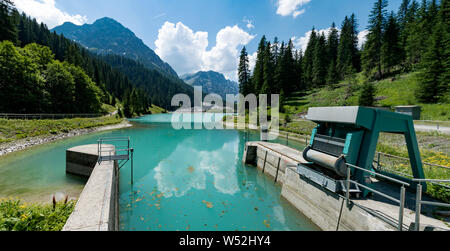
(208, 204)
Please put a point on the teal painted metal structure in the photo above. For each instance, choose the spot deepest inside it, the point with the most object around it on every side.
(361, 127)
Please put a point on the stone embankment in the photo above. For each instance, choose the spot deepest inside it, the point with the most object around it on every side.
(23, 144)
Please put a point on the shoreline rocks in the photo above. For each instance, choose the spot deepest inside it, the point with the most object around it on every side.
(23, 144)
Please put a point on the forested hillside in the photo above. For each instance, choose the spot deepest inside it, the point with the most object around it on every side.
(32, 81)
(113, 85)
(414, 39)
(151, 81)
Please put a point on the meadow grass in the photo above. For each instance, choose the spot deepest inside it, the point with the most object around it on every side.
(12, 130)
(390, 92)
(156, 110)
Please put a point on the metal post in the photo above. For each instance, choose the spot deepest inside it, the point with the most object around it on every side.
(278, 169)
(379, 157)
(265, 160)
(98, 150)
(349, 173)
(287, 139)
(132, 155)
(418, 206)
(402, 208)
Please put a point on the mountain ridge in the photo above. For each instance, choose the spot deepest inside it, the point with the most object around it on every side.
(212, 82)
(108, 36)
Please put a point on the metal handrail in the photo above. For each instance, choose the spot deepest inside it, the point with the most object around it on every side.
(48, 116)
(380, 175)
(434, 181)
(129, 151)
(378, 153)
(420, 202)
(402, 191)
(403, 158)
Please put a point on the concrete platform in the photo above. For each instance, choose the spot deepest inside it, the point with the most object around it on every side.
(328, 210)
(97, 208)
(81, 160)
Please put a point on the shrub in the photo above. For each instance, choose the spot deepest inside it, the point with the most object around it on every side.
(18, 216)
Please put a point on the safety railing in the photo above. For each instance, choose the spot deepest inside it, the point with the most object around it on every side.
(382, 159)
(108, 151)
(420, 201)
(400, 201)
(47, 116)
(433, 123)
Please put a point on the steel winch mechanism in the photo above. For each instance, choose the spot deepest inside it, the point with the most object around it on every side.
(349, 135)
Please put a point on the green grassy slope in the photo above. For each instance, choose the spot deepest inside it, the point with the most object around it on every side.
(156, 110)
(389, 93)
(12, 130)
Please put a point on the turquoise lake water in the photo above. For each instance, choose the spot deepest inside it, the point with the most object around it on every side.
(183, 180)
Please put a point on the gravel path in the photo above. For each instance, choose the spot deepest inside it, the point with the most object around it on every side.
(430, 128)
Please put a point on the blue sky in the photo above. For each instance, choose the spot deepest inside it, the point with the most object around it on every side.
(282, 18)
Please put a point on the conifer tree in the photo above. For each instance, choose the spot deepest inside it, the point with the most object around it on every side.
(444, 16)
(403, 13)
(373, 48)
(356, 54)
(405, 16)
(244, 73)
(417, 34)
(290, 83)
(280, 70)
(332, 54)
(391, 44)
(308, 60)
(320, 62)
(434, 86)
(275, 50)
(268, 69)
(367, 96)
(348, 54)
(298, 62)
(8, 29)
(258, 72)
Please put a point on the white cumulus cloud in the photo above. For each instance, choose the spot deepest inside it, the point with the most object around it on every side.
(362, 38)
(291, 7)
(302, 42)
(46, 11)
(252, 60)
(186, 50)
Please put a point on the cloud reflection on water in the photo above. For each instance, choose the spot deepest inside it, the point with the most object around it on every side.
(187, 168)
